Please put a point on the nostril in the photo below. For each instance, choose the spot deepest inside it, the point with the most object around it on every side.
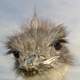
(24, 59)
(34, 55)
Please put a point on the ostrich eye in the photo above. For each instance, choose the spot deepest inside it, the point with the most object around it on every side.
(57, 44)
(15, 53)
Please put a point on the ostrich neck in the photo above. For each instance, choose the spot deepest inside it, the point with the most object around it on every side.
(57, 74)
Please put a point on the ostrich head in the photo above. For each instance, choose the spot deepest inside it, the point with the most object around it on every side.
(40, 51)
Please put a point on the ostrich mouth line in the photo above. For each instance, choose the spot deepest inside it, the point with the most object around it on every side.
(43, 66)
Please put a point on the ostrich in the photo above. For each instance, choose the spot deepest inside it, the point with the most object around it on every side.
(40, 51)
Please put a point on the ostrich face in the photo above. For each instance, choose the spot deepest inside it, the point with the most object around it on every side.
(38, 50)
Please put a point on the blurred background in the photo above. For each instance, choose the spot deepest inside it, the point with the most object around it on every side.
(13, 13)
